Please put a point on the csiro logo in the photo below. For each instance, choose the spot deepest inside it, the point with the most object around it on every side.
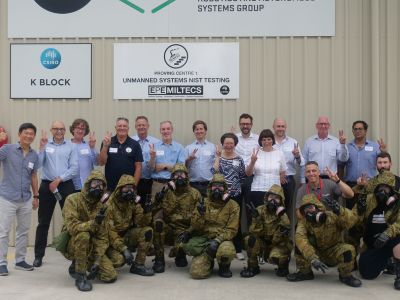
(50, 58)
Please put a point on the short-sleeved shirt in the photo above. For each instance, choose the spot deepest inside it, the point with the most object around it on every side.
(170, 154)
(329, 189)
(121, 159)
(17, 172)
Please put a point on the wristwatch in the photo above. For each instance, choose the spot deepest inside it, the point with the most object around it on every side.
(36, 196)
(337, 182)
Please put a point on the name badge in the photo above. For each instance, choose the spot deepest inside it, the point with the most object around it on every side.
(160, 152)
(287, 149)
(206, 152)
(30, 165)
(128, 150)
(369, 148)
(235, 163)
(84, 151)
(50, 150)
(113, 150)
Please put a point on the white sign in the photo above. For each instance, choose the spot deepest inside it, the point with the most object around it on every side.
(185, 70)
(51, 71)
(170, 18)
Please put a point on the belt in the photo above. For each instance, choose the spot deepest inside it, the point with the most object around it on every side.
(200, 182)
(161, 180)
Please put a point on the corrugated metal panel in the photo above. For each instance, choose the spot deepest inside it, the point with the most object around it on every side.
(354, 75)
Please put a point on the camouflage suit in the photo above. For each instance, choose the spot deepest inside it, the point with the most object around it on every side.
(89, 241)
(128, 226)
(220, 222)
(324, 241)
(174, 215)
(269, 236)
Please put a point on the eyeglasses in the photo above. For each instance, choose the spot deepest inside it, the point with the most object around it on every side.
(358, 129)
(323, 124)
(81, 128)
(245, 124)
(58, 129)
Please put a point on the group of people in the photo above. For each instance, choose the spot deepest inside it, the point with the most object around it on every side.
(155, 192)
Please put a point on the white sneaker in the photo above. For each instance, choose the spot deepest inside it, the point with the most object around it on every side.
(240, 256)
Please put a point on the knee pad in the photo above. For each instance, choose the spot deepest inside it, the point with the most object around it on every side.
(148, 235)
(252, 241)
(347, 256)
(158, 226)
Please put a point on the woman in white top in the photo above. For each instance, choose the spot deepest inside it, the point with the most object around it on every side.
(268, 166)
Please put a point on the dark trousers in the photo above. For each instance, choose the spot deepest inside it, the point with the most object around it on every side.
(47, 203)
(144, 188)
(257, 198)
(238, 239)
(349, 202)
(288, 191)
(373, 261)
(201, 187)
(246, 189)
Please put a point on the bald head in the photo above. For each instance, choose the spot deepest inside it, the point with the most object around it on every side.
(58, 131)
(323, 126)
(279, 126)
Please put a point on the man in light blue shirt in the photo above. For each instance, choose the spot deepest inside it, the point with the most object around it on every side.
(200, 158)
(325, 149)
(163, 157)
(59, 161)
(86, 152)
(146, 141)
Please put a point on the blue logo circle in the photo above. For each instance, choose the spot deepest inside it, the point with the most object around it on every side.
(50, 58)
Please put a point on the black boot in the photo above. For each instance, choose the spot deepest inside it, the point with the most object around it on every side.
(82, 283)
(180, 259)
(300, 276)
(397, 271)
(250, 272)
(159, 264)
(350, 280)
(224, 268)
(282, 271)
(71, 270)
(141, 270)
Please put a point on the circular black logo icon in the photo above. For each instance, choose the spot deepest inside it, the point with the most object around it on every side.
(62, 6)
(176, 56)
(224, 90)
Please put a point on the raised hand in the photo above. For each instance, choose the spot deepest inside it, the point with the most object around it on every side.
(342, 137)
(362, 181)
(193, 154)
(3, 134)
(107, 139)
(92, 140)
(332, 175)
(296, 151)
(43, 140)
(254, 156)
(218, 151)
(233, 129)
(152, 152)
(382, 145)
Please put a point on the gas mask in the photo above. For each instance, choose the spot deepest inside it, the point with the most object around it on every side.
(382, 193)
(96, 189)
(128, 194)
(180, 179)
(273, 204)
(313, 215)
(218, 192)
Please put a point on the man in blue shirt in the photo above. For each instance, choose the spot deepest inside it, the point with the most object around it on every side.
(163, 157)
(86, 151)
(20, 164)
(59, 162)
(200, 158)
(146, 141)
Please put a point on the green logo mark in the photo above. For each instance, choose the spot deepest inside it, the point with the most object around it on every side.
(142, 11)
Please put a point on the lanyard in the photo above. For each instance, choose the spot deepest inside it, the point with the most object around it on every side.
(321, 185)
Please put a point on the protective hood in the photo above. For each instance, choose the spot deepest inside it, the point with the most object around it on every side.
(124, 180)
(276, 190)
(94, 175)
(386, 177)
(180, 167)
(311, 199)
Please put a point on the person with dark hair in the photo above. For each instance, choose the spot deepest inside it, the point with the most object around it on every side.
(268, 166)
(86, 151)
(362, 156)
(200, 158)
(20, 164)
(231, 165)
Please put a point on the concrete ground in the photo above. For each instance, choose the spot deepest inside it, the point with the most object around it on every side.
(52, 281)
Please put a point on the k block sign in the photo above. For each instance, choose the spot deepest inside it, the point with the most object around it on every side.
(174, 71)
(170, 18)
(51, 71)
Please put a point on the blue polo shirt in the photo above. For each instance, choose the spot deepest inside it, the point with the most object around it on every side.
(168, 154)
(17, 172)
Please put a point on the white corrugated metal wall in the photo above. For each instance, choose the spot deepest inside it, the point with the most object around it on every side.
(354, 75)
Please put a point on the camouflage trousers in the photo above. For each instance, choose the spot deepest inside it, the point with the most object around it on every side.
(167, 235)
(202, 264)
(140, 238)
(81, 250)
(343, 255)
(276, 254)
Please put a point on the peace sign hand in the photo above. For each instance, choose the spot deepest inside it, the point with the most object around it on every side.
(218, 151)
(342, 137)
(254, 156)
(92, 140)
(296, 151)
(382, 145)
(43, 140)
(193, 154)
(107, 139)
(152, 152)
(362, 180)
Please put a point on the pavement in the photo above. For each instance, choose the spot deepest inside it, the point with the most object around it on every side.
(51, 281)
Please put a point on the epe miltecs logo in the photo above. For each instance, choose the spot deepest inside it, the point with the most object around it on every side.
(50, 58)
(70, 6)
(176, 56)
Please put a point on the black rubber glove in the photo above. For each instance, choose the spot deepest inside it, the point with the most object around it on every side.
(212, 248)
(361, 204)
(380, 240)
(94, 270)
(127, 256)
(201, 208)
(100, 216)
(183, 237)
(319, 265)
(147, 205)
(253, 210)
(333, 204)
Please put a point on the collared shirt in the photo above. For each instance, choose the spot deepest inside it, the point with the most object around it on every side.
(246, 146)
(326, 152)
(267, 169)
(200, 167)
(58, 160)
(287, 147)
(121, 159)
(168, 154)
(17, 172)
(361, 160)
(327, 188)
(145, 145)
(87, 159)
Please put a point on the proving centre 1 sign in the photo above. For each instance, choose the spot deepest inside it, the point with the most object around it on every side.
(174, 71)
